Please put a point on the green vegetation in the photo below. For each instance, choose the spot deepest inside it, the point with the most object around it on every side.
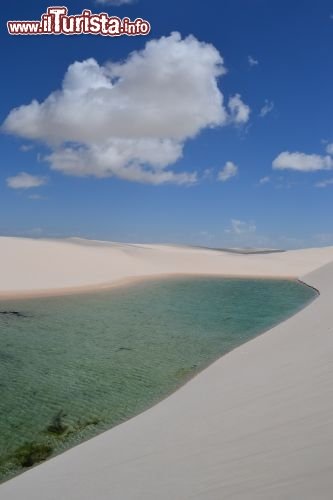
(57, 425)
(30, 454)
(186, 371)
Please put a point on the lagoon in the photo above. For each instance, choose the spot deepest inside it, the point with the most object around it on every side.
(74, 366)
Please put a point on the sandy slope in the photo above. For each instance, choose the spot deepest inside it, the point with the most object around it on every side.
(28, 265)
(255, 425)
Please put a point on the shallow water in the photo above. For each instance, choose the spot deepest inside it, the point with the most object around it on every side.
(72, 367)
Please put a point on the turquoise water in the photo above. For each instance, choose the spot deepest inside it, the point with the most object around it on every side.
(72, 367)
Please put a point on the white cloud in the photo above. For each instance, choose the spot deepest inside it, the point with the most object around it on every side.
(267, 108)
(329, 149)
(239, 227)
(324, 183)
(229, 170)
(323, 238)
(131, 119)
(26, 147)
(117, 158)
(25, 181)
(239, 111)
(207, 174)
(114, 2)
(264, 180)
(36, 197)
(252, 61)
(302, 162)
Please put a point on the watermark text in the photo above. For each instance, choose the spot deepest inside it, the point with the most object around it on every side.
(56, 21)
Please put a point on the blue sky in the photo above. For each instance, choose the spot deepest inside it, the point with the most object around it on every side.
(212, 182)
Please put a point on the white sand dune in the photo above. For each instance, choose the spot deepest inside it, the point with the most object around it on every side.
(29, 266)
(256, 425)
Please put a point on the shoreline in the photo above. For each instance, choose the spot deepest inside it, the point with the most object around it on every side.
(31, 268)
(129, 281)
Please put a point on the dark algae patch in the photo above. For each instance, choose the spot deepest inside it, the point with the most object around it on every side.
(15, 314)
(186, 371)
(57, 426)
(34, 452)
(25, 456)
(72, 367)
(30, 454)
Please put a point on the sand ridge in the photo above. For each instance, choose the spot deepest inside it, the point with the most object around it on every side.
(38, 266)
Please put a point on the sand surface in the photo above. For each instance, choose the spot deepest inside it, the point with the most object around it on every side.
(256, 425)
(31, 266)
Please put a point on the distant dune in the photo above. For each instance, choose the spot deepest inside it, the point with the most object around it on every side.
(33, 266)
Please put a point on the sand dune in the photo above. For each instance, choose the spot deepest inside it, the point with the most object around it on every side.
(29, 266)
(255, 425)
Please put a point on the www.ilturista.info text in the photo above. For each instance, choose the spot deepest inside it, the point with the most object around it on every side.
(56, 21)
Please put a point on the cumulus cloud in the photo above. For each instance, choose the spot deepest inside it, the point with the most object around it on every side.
(229, 170)
(118, 158)
(36, 197)
(131, 119)
(252, 61)
(324, 183)
(207, 174)
(239, 227)
(239, 111)
(267, 108)
(264, 180)
(329, 149)
(26, 147)
(302, 162)
(25, 181)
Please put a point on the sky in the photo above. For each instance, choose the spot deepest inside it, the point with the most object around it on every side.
(215, 129)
